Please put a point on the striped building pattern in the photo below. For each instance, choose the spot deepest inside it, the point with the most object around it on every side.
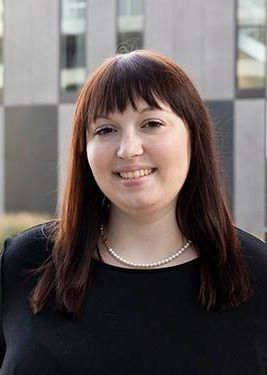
(35, 121)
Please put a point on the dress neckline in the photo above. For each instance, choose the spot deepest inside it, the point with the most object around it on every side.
(177, 267)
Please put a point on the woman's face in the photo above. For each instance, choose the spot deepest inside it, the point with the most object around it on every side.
(140, 159)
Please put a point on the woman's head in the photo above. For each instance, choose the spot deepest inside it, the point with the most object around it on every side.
(120, 87)
(130, 82)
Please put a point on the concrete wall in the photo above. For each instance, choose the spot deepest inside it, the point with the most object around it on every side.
(65, 116)
(219, 51)
(2, 164)
(31, 52)
(30, 158)
(200, 36)
(157, 13)
(101, 31)
(31, 95)
(249, 165)
(221, 113)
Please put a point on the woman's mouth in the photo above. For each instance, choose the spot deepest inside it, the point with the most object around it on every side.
(135, 174)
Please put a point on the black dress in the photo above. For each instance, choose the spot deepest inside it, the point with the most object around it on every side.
(133, 321)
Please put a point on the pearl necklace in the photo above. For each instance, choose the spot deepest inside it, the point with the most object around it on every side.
(141, 265)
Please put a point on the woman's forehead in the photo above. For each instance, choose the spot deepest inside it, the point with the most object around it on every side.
(140, 106)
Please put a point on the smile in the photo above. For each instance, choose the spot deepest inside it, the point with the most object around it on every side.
(136, 174)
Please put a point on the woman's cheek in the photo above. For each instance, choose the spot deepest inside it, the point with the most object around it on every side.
(93, 152)
(99, 157)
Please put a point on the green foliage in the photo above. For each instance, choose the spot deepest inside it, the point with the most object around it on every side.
(13, 223)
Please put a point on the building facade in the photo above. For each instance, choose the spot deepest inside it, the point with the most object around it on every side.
(50, 47)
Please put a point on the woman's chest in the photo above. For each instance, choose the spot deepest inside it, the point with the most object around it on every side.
(120, 338)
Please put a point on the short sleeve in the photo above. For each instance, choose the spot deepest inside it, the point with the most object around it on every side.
(2, 339)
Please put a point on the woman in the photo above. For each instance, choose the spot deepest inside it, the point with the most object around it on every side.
(143, 271)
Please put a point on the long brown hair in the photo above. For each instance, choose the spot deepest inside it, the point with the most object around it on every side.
(201, 211)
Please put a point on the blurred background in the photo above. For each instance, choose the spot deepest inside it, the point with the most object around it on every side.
(48, 48)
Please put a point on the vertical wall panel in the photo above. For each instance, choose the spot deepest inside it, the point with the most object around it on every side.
(219, 58)
(31, 158)
(2, 161)
(31, 51)
(198, 34)
(159, 26)
(204, 45)
(249, 165)
(65, 116)
(189, 31)
(221, 113)
(101, 31)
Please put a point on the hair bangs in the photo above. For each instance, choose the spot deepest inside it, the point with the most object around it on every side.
(124, 81)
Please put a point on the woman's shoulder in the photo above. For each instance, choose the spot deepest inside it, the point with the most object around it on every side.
(254, 251)
(251, 245)
(28, 248)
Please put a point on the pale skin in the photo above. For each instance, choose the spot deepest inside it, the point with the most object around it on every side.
(142, 226)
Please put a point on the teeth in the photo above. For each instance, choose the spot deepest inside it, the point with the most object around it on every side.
(134, 174)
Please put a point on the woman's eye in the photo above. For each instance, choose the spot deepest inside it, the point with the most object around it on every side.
(153, 124)
(104, 131)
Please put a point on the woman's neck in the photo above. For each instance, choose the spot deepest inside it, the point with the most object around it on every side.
(145, 239)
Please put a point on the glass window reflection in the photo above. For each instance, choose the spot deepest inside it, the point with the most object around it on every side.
(251, 16)
(73, 60)
(130, 19)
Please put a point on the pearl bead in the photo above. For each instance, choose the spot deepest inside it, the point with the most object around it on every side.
(141, 265)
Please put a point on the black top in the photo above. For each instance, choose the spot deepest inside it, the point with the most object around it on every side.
(134, 321)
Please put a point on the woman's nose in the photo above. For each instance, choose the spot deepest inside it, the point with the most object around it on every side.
(130, 146)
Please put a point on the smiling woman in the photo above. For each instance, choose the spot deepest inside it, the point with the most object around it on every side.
(143, 271)
(132, 147)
